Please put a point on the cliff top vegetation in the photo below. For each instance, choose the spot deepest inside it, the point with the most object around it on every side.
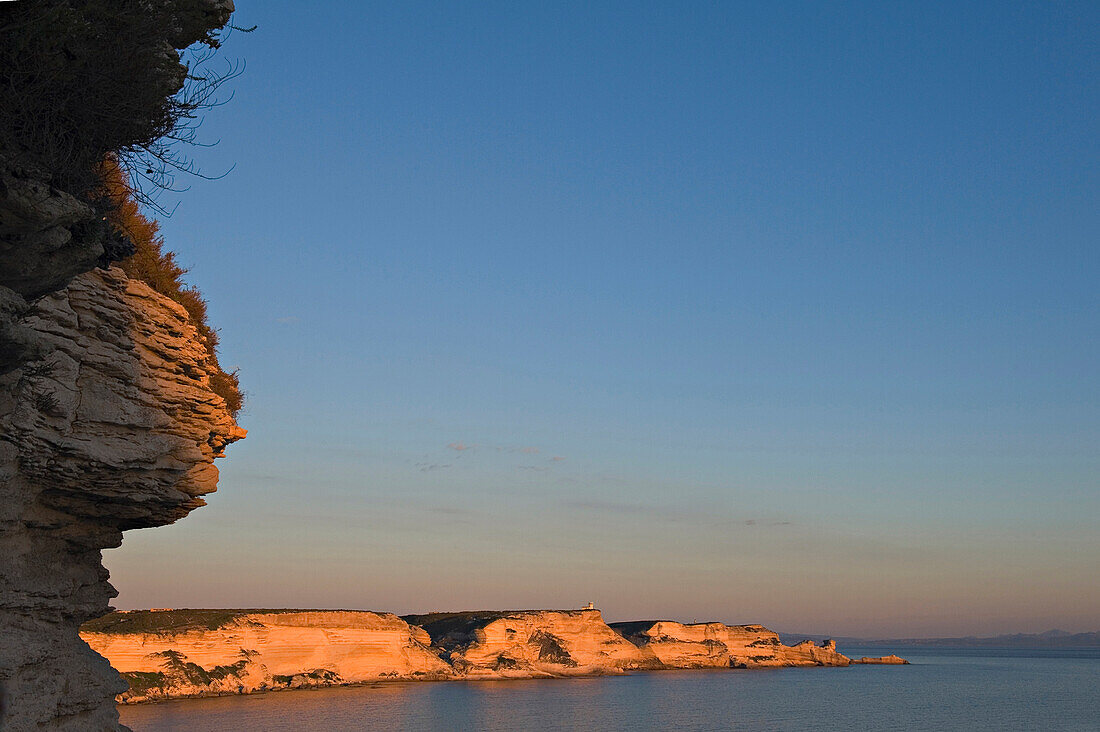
(455, 624)
(162, 621)
(97, 98)
(184, 619)
(83, 79)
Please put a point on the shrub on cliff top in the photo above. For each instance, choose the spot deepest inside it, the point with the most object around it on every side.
(170, 621)
(82, 78)
(157, 267)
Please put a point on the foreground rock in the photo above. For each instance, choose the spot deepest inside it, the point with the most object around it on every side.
(113, 426)
(107, 418)
(164, 654)
(179, 653)
(717, 645)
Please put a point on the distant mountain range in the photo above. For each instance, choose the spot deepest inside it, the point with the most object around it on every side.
(1049, 639)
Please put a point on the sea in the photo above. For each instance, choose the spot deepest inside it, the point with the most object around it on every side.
(963, 689)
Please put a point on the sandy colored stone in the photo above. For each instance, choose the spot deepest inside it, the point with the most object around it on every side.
(96, 436)
(256, 651)
(717, 645)
(554, 643)
(532, 643)
(180, 653)
(890, 660)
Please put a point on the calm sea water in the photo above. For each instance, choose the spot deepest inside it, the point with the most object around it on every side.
(943, 689)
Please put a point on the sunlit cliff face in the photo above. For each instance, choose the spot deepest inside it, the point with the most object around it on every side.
(179, 653)
(113, 426)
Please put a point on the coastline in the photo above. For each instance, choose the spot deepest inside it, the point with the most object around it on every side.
(169, 654)
(475, 680)
(1010, 690)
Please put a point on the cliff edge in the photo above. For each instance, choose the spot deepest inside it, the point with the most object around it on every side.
(530, 643)
(717, 645)
(108, 420)
(164, 654)
(114, 427)
(183, 653)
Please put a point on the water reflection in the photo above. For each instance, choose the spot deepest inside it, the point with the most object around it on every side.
(944, 690)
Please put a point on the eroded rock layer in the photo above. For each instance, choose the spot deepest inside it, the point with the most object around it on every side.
(107, 418)
(531, 643)
(165, 654)
(179, 653)
(112, 425)
(717, 645)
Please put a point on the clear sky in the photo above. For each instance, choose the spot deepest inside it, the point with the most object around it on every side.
(754, 312)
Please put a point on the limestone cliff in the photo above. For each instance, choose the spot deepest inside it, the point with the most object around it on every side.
(717, 645)
(108, 420)
(208, 652)
(531, 643)
(111, 426)
(180, 653)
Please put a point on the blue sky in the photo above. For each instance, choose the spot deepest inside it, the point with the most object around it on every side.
(776, 312)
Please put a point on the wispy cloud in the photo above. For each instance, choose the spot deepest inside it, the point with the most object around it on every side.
(485, 450)
(758, 522)
(460, 446)
(667, 513)
(612, 507)
(449, 510)
(288, 319)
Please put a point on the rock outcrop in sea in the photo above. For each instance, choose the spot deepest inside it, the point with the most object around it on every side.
(166, 654)
(891, 660)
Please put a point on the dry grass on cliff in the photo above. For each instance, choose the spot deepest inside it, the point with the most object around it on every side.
(157, 267)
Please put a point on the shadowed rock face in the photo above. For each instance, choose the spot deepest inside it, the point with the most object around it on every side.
(39, 252)
(111, 426)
